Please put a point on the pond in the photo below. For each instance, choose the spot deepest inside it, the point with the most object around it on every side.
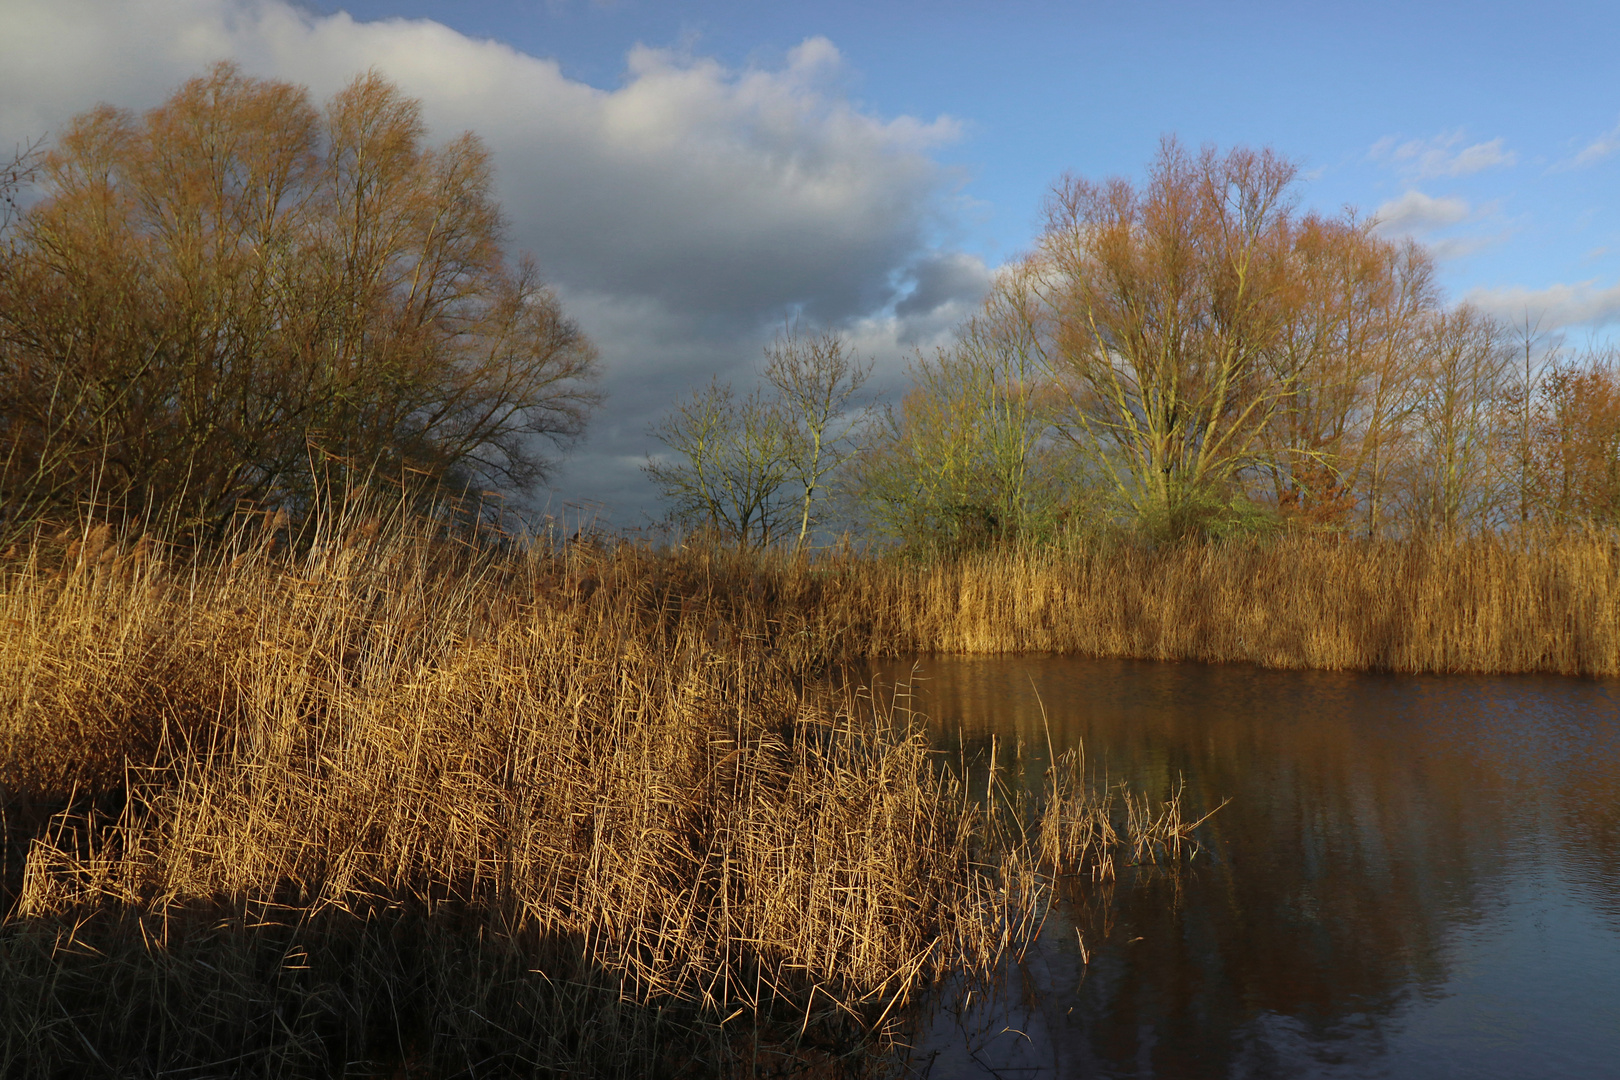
(1414, 876)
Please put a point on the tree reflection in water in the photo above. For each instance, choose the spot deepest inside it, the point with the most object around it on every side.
(1416, 876)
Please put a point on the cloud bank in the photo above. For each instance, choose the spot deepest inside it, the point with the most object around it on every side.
(681, 215)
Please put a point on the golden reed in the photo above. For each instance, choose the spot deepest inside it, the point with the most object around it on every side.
(1526, 602)
(386, 805)
(394, 806)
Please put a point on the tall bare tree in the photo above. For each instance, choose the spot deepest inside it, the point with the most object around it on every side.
(1164, 309)
(816, 379)
(205, 294)
(1205, 333)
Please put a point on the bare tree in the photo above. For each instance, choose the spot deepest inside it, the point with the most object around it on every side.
(1206, 335)
(206, 293)
(1519, 418)
(964, 460)
(1164, 310)
(15, 176)
(745, 468)
(1452, 475)
(729, 465)
(1576, 440)
(1350, 348)
(816, 380)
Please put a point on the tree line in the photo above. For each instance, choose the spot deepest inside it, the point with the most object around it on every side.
(1190, 355)
(239, 296)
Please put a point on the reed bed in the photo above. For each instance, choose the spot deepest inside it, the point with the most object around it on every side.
(385, 804)
(394, 806)
(1509, 603)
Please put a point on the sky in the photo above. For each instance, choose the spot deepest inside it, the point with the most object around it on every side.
(691, 176)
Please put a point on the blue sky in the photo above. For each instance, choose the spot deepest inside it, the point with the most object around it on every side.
(690, 174)
(1041, 88)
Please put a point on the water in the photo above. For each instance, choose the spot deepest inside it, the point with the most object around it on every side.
(1415, 877)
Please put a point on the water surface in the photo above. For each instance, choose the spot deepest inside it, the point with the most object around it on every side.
(1415, 877)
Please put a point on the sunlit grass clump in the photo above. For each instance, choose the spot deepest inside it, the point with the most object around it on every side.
(390, 805)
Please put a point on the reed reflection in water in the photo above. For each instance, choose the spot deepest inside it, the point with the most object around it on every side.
(1415, 876)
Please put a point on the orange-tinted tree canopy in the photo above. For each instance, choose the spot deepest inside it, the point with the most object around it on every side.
(206, 298)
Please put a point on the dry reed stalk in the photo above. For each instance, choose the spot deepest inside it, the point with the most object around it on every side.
(395, 805)
(1522, 602)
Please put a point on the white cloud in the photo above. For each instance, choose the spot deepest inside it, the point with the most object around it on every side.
(1584, 303)
(1476, 158)
(681, 214)
(1599, 148)
(1430, 219)
(1442, 156)
(1451, 248)
(730, 191)
(1414, 214)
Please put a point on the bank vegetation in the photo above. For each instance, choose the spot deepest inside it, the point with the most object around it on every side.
(1185, 358)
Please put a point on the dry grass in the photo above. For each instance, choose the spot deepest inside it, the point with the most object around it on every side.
(1528, 602)
(393, 807)
(1079, 830)
(398, 807)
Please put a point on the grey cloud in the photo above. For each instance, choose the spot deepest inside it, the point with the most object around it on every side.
(755, 198)
(727, 193)
(653, 356)
(681, 215)
(677, 352)
(942, 278)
